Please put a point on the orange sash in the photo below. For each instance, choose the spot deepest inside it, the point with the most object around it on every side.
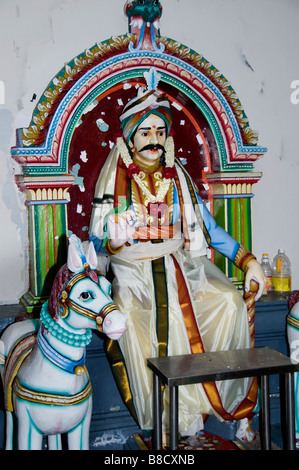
(248, 404)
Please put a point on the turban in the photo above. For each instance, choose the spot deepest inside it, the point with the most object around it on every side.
(140, 107)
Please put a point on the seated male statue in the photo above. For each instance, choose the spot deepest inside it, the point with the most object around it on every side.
(149, 219)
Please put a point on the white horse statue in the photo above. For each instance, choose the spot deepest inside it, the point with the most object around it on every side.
(293, 340)
(42, 362)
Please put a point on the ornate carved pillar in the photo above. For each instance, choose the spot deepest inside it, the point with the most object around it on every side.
(232, 200)
(46, 201)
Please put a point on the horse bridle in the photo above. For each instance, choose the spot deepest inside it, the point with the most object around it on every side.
(65, 303)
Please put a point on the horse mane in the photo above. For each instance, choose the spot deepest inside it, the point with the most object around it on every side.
(294, 298)
(61, 279)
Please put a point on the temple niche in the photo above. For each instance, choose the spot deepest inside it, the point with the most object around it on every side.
(76, 122)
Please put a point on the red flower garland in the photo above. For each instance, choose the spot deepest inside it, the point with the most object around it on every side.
(132, 170)
(168, 172)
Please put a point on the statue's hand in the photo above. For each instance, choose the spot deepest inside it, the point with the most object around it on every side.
(121, 228)
(255, 273)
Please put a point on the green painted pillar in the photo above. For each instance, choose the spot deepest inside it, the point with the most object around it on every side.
(232, 209)
(46, 203)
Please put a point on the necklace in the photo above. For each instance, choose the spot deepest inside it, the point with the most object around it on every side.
(61, 333)
(138, 175)
(66, 364)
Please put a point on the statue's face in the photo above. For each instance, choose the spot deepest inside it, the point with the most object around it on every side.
(149, 140)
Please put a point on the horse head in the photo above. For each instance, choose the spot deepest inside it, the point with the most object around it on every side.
(81, 294)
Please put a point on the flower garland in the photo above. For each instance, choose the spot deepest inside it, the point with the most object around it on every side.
(134, 171)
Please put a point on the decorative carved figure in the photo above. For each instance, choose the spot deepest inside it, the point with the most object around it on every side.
(144, 21)
(42, 362)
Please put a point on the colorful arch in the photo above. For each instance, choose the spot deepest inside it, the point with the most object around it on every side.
(224, 152)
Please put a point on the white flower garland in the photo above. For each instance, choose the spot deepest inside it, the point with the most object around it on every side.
(165, 183)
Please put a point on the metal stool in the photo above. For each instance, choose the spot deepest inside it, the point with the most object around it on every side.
(209, 367)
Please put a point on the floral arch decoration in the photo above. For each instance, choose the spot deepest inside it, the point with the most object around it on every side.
(76, 121)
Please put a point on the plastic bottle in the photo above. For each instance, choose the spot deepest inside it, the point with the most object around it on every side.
(281, 276)
(265, 263)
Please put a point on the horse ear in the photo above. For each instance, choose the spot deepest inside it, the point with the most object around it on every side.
(91, 256)
(74, 261)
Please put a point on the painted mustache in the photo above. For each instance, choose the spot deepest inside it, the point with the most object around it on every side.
(152, 147)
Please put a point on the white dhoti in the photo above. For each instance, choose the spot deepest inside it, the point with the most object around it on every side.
(221, 323)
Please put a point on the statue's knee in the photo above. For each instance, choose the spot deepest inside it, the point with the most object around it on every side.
(235, 300)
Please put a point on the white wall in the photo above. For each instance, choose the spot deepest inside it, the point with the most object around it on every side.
(254, 44)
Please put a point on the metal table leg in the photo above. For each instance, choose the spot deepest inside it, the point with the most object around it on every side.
(290, 411)
(157, 436)
(173, 417)
(265, 414)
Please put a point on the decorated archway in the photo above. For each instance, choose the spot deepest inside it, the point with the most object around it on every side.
(76, 121)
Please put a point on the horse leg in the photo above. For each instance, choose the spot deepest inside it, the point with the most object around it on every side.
(78, 438)
(29, 437)
(9, 431)
(54, 442)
